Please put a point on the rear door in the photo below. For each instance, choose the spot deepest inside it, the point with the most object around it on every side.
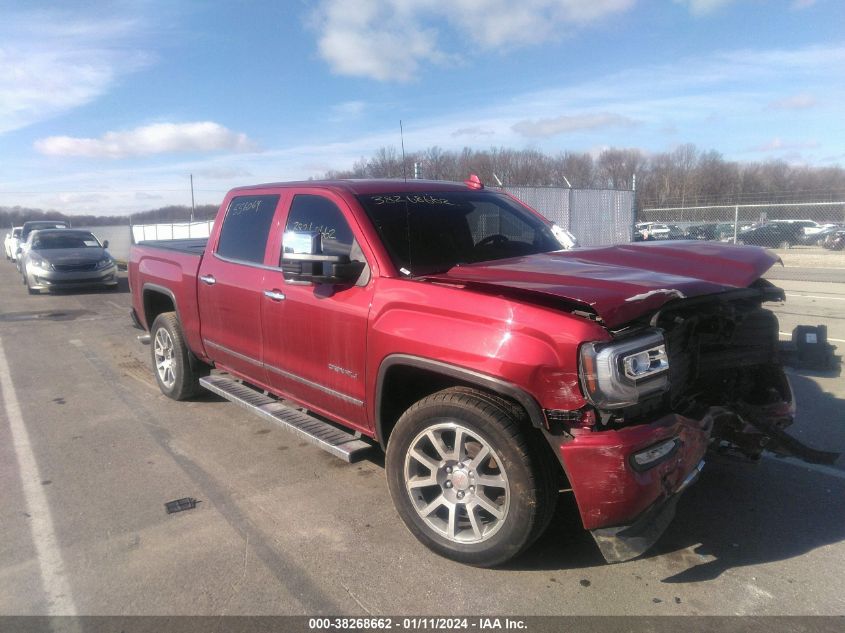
(230, 285)
(315, 334)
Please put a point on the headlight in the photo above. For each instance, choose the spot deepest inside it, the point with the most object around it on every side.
(104, 263)
(619, 374)
(40, 263)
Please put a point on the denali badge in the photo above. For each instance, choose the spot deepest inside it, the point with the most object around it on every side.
(345, 372)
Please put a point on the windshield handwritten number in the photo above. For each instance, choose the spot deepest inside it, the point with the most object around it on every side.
(412, 199)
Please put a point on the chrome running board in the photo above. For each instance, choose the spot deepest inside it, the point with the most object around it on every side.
(348, 446)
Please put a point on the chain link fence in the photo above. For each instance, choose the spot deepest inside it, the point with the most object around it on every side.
(808, 236)
(596, 217)
(773, 225)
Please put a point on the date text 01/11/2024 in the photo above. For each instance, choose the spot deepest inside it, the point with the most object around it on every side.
(418, 623)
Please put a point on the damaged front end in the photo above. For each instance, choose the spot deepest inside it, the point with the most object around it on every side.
(699, 374)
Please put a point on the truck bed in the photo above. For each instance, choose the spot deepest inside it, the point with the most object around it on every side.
(191, 246)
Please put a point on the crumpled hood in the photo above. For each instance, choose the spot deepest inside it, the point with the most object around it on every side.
(621, 283)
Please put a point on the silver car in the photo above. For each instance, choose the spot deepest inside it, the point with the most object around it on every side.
(66, 258)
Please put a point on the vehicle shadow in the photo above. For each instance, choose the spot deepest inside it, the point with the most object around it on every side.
(121, 288)
(739, 513)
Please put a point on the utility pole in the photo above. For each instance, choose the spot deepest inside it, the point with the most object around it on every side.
(192, 197)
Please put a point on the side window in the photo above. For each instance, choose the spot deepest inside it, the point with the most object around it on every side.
(246, 227)
(316, 213)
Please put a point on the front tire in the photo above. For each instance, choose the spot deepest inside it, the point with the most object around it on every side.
(176, 369)
(466, 478)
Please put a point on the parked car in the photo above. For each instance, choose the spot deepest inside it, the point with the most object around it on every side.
(807, 227)
(653, 230)
(29, 227)
(817, 238)
(779, 235)
(835, 241)
(66, 258)
(703, 232)
(10, 244)
(675, 233)
(442, 323)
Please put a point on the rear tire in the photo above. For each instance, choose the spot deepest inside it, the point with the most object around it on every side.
(467, 479)
(176, 369)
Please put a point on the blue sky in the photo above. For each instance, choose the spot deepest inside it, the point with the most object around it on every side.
(107, 107)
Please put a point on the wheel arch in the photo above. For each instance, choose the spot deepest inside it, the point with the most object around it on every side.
(432, 376)
(157, 300)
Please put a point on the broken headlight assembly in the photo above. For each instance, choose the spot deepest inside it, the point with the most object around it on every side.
(620, 373)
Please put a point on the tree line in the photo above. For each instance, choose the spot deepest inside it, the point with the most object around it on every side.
(685, 176)
(16, 216)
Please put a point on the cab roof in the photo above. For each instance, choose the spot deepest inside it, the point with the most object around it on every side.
(367, 186)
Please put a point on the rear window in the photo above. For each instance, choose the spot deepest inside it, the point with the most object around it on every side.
(245, 229)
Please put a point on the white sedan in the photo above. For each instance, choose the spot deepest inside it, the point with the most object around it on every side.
(10, 244)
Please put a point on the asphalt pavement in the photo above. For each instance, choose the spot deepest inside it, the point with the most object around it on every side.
(90, 452)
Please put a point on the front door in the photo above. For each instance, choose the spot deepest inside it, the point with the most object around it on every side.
(315, 336)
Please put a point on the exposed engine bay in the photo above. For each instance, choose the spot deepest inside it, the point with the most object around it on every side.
(722, 360)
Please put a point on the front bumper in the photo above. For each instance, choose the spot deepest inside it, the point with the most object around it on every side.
(627, 508)
(41, 279)
(624, 542)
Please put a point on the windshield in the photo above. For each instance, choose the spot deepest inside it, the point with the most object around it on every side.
(37, 226)
(431, 232)
(66, 240)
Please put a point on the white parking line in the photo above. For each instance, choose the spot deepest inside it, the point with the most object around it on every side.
(53, 576)
(815, 297)
(830, 471)
(835, 340)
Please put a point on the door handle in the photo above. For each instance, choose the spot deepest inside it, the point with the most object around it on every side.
(275, 295)
(208, 279)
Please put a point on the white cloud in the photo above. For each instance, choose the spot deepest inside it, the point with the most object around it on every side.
(495, 23)
(158, 138)
(374, 38)
(802, 4)
(702, 7)
(683, 92)
(389, 40)
(779, 145)
(473, 131)
(76, 199)
(545, 128)
(794, 102)
(348, 110)
(50, 63)
(222, 173)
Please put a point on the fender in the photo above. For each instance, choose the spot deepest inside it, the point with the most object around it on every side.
(497, 385)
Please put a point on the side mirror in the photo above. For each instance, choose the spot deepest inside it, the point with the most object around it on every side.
(105, 243)
(303, 261)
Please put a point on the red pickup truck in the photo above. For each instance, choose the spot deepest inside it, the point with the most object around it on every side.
(445, 323)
